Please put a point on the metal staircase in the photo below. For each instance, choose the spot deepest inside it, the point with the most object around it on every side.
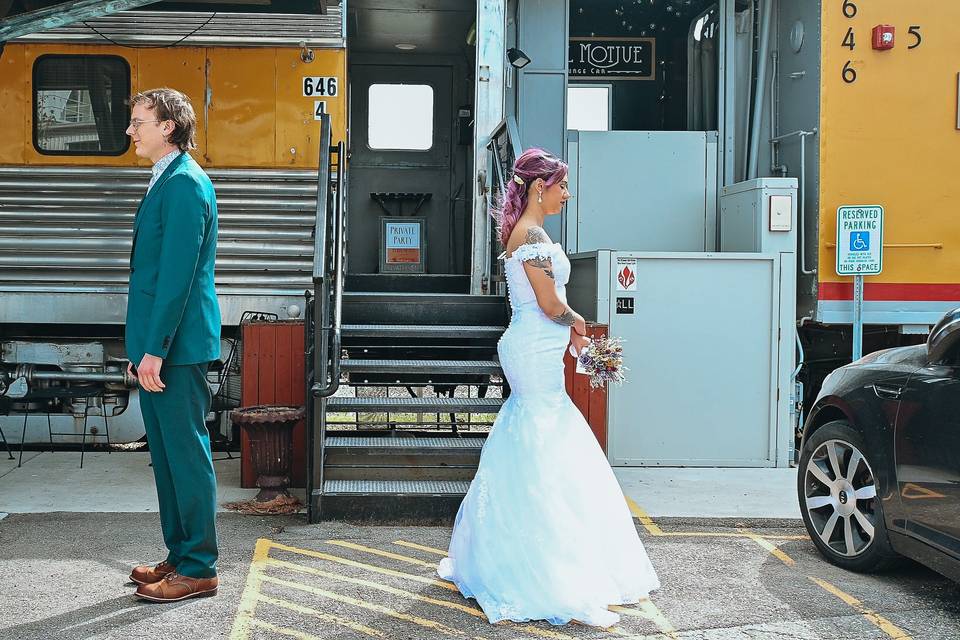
(404, 387)
(410, 447)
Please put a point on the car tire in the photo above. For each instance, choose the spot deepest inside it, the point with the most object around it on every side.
(843, 512)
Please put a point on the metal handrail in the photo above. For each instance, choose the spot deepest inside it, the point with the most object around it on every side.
(498, 179)
(327, 385)
(323, 198)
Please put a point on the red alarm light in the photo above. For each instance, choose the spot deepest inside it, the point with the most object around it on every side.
(883, 37)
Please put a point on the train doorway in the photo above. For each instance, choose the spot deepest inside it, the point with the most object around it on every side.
(411, 69)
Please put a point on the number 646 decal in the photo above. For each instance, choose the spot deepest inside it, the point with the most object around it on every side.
(320, 86)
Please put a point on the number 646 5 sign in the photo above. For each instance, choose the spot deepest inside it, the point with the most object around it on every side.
(320, 86)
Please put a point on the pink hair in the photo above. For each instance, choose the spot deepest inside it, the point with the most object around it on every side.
(532, 164)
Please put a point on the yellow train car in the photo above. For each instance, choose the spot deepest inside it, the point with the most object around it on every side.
(890, 136)
(70, 180)
(865, 113)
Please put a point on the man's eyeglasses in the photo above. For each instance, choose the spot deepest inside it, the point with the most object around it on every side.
(136, 124)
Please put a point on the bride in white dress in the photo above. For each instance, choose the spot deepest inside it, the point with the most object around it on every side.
(544, 532)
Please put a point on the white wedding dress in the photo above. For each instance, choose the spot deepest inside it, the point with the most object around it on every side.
(544, 532)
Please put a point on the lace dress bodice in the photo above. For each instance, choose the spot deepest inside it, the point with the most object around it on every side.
(518, 285)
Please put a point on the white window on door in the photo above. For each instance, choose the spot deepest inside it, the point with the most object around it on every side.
(400, 117)
(588, 107)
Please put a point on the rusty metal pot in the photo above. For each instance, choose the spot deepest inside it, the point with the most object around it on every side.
(270, 432)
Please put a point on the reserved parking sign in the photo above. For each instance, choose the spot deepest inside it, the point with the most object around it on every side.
(859, 240)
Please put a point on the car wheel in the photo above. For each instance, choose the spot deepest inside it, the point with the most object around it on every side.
(837, 489)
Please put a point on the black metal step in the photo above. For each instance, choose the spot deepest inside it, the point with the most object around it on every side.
(423, 308)
(401, 458)
(396, 487)
(407, 283)
(417, 405)
(390, 501)
(447, 367)
(383, 445)
(421, 331)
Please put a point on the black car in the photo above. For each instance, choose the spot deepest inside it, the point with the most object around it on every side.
(879, 473)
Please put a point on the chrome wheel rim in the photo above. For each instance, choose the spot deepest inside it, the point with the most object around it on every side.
(840, 496)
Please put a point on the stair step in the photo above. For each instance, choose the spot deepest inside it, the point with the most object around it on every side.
(420, 366)
(421, 331)
(401, 458)
(396, 487)
(418, 405)
(387, 443)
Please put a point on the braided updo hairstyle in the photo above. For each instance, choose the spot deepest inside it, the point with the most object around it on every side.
(532, 164)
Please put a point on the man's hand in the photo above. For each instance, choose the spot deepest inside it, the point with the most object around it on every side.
(149, 373)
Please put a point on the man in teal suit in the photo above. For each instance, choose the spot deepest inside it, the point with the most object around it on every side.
(172, 334)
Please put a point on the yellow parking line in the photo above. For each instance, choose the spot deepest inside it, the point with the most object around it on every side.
(648, 611)
(384, 554)
(393, 613)
(473, 611)
(248, 600)
(872, 616)
(654, 529)
(875, 618)
(283, 631)
(374, 585)
(644, 519)
(772, 548)
(414, 545)
(368, 567)
(326, 617)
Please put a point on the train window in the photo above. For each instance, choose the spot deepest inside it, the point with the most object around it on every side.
(80, 105)
(400, 117)
(588, 107)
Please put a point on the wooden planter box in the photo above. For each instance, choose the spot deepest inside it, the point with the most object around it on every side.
(591, 402)
(273, 373)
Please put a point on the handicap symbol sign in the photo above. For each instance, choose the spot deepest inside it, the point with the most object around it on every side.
(860, 241)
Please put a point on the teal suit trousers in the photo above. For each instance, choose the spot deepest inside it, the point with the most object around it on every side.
(183, 468)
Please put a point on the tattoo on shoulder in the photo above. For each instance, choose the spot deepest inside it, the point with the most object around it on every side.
(566, 318)
(536, 234)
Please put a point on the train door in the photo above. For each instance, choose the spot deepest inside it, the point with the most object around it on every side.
(411, 71)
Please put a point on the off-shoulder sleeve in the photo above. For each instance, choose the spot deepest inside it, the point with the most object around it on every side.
(535, 251)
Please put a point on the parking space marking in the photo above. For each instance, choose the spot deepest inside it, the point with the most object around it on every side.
(362, 565)
(414, 545)
(644, 519)
(384, 554)
(375, 585)
(473, 611)
(649, 611)
(871, 616)
(654, 529)
(875, 618)
(326, 617)
(251, 590)
(283, 631)
(772, 548)
(370, 606)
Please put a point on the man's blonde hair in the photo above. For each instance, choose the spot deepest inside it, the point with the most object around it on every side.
(170, 104)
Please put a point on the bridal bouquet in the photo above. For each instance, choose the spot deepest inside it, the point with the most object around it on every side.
(602, 360)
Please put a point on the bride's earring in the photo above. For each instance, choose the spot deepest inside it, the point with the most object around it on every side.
(539, 197)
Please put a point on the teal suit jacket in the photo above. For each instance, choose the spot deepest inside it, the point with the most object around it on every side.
(172, 309)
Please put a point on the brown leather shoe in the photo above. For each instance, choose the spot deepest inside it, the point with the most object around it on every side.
(176, 587)
(145, 574)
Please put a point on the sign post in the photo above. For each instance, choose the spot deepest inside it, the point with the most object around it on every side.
(859, 253)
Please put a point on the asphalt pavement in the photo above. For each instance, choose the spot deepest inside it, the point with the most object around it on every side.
(65, 578)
